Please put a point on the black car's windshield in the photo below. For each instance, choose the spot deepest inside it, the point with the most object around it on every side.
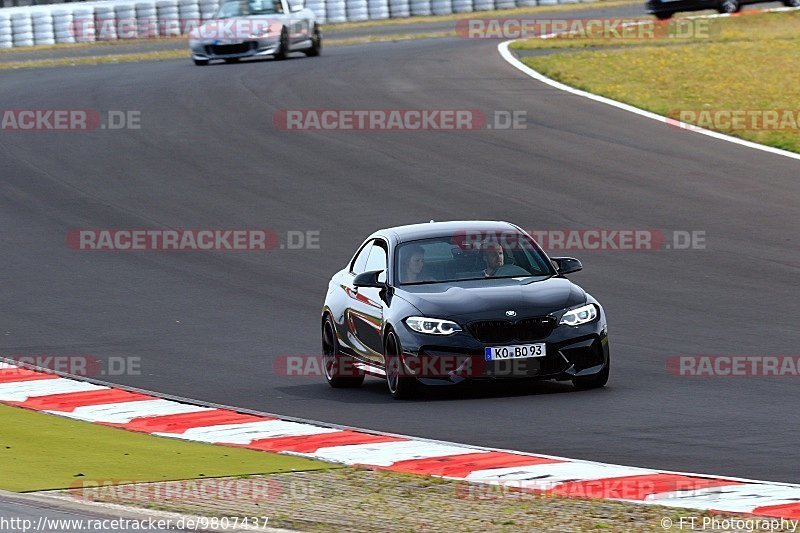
(243, 8)
(468, 256)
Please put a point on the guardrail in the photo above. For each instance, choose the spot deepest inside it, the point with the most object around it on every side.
(140, 19)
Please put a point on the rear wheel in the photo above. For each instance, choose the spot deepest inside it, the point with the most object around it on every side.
(316, 43)
(596, 381)
(729, 7)
(339, 369)
(664, 15)
(200, 62)
(283, 45)
(401, 387)
(791, 3)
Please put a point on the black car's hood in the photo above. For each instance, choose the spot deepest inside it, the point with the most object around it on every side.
(491, 298)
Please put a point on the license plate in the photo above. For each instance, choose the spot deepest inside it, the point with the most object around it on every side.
(517, 351)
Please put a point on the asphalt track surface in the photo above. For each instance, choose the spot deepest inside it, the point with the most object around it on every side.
(22, 512)
(211, 325)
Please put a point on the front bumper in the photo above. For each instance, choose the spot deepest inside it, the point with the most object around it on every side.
(210, 50)
(441, 360)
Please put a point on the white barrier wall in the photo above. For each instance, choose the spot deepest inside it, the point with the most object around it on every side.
(6, 33)
(357, 10)
(400, 9)
(336, 11)
(140, 19)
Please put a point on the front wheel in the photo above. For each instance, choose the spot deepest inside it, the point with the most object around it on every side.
(339, 369)
(401, 387)
(283, 45)
(791, 3)
(728, 7)
(596, 381)
(666, 15)
(316, 43)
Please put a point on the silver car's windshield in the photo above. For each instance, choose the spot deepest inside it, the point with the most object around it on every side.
(244, 8)
(470, 256)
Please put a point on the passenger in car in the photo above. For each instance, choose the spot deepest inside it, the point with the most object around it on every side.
(413, 264)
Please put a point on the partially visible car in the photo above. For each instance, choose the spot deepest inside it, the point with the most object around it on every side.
(664, 9)
(256, 28)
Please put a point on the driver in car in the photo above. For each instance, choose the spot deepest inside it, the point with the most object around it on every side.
(494, 258)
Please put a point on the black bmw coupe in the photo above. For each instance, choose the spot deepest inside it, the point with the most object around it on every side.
(444, 302)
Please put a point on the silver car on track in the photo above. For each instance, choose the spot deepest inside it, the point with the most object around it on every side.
(256, 28)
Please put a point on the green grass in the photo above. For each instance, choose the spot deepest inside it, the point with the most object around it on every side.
(159, 55)
(40, 452)
(741, 65)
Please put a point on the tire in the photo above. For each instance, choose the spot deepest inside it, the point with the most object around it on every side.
(728, 7)
(332, 360)
(230, 60)
(791, 3)
(316, 43)
(400, 387)
(283, 46)
(596, 381)
(201, 62)
(666, 15)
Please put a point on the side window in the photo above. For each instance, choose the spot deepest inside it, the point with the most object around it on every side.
(377, 260)
(360, 262)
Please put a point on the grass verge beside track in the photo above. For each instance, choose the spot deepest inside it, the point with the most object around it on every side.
(40, 452)
(71, 461)
(741, 64)
(358, 500)
(161, 55)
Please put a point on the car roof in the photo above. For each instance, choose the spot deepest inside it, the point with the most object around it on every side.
(429, 230)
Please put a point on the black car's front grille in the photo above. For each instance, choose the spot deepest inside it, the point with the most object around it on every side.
(229, 49)
(492, 330)
(529, 329)
(532, 329)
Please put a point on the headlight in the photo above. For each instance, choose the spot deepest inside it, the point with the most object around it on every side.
(580, 315)
(432, 326)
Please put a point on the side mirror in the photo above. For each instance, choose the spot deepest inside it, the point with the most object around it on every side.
(566, 265)
(369, 279)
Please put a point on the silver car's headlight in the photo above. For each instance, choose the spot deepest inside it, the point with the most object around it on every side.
(579, 315)
(432, 326)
